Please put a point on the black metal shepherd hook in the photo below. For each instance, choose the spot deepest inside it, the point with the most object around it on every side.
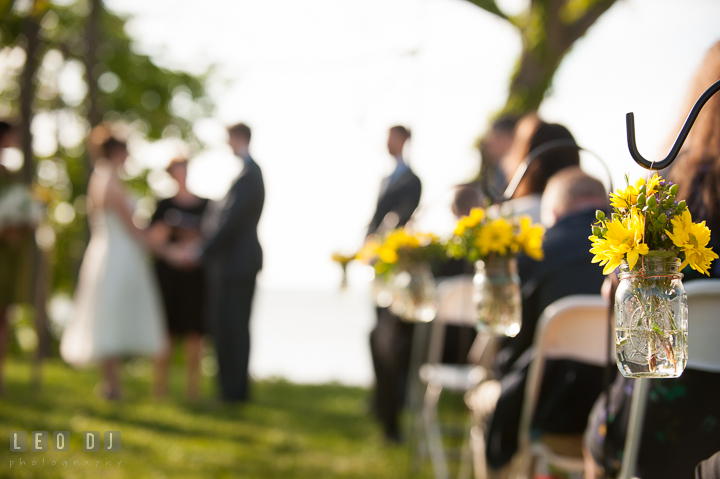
(535, 154)
(659, 165)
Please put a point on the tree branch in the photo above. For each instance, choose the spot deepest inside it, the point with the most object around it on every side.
(492, 7)
(580, 25)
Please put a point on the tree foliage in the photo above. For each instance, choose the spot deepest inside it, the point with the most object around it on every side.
(548, 29)
(84, 68)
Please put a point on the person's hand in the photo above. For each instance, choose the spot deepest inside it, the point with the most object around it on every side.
(179, 256)
(193, 251)
(158, 236)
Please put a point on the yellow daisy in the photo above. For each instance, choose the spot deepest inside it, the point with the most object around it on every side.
(530, 238)
(693, 238)
(653, 185)
(496, 236)
(466, 222)
(624, 240)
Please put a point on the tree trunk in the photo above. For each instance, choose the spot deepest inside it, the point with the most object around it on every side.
(39, 263)
(548, 29)
(91, 37)
(547, 36)
(27, 95)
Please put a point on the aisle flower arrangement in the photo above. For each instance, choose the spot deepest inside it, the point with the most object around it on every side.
(343, 261)
(650, 236)
(492, 244)
(404, 281)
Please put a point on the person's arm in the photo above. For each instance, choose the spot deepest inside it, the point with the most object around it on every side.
(158, 235)
(158, 232)
(409, 201)
(240, 205)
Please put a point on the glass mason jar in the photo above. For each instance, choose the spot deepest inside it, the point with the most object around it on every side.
(381, 290)
(497, 296)
(414, 294)
(651, 319)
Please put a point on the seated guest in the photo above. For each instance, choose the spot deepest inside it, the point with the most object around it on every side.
(569, 389)
(532, 132)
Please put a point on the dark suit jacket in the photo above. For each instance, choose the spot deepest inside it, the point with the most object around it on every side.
(566, 270)
(230, 248)
(569, 389)
(402, 198)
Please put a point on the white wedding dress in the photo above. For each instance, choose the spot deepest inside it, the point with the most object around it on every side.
(117, 311)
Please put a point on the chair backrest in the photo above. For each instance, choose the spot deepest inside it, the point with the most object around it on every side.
(703, 297)
(455, 301)
(574, 327)
(455, 306)
(703, 324)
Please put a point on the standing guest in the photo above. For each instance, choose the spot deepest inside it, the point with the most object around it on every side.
(391, 338)
(569, 389)
(230, 252)
(399, 192)
(682, 419)
(177, 221)
(118, 310)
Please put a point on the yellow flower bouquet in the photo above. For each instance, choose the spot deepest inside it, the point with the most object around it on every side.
(404, 281)
(492, 244)
(343, 261)
(650, 236)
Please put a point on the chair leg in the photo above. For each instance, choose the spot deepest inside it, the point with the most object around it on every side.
(477, 444)
(466, 454)
(432, 429)
(418, 441)
(414, 428)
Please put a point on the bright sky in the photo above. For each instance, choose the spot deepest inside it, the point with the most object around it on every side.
(320, 81)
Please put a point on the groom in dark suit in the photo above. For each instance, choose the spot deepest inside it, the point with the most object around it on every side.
(391, 338)
(399, 192)
(232, 256)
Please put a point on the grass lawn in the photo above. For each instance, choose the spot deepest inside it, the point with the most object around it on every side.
(287, 431)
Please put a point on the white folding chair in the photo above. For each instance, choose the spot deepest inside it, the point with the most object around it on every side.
(703, 297)
(575, 328)
(455, 307)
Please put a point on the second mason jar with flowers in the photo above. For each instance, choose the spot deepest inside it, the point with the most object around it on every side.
(403, 279)
(492, 243)
(497, 296)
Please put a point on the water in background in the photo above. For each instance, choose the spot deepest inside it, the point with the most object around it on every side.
(312, 336)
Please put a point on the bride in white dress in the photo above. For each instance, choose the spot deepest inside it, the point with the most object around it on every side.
(118, 312)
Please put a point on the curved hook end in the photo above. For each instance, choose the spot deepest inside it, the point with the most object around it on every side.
(632, 145)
